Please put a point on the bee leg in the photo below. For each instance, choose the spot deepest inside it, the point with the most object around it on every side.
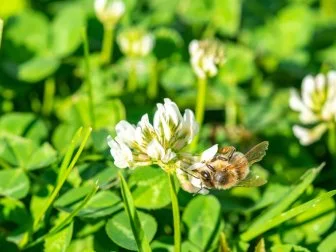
(198, 190)
(226, 153)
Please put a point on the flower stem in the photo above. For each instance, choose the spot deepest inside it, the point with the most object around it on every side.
(132, 77)
(332, 138)
(88, 78)
(48, 96)
(200, 108)
(231, 113)
(107, 48)
(153, 83)
(176, 213)
(1, 28)
(200, 103)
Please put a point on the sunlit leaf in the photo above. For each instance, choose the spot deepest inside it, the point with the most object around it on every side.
(150, 188)
(37, 69)
(29, 29)
(66, 30)
(119, 229)
(288, 248)
(328, 244)
(202, 217)
(226, 16)
(23, 124)
(59, 241)
(14, 183)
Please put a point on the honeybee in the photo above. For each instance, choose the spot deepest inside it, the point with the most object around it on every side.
(229, 168)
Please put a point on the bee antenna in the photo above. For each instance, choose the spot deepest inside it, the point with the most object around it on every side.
(210, 167)
(189, 174)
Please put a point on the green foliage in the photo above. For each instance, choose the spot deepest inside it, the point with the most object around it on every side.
(14, 183)
(140, 237)
(150, 188)
(201, 216)
(37, 69)
(119, 229)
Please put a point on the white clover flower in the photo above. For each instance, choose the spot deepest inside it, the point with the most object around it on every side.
(135, 42)
(160, 143)
(317, 106)
(206, 56)
(109, 11)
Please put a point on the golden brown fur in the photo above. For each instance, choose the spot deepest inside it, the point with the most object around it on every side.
(229, 167)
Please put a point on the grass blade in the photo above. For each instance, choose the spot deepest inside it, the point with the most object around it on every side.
(260, 246)
(273, 222)
(223, 245)
(138, 232)
(283, 204)
(176, 213)
(64, 171)
(69, 153)
(68, 219)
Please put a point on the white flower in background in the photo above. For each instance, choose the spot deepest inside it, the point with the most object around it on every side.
(189, 181)
(317, 105)
(206, 56)
(160, 143)
(109, 11)
(135, 42)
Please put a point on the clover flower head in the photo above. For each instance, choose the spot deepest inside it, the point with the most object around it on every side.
(206, 57)
(317, 105)
(109, 11)
(157, 143)
(136, 42)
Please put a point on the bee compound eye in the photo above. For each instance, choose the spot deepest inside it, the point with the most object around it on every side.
(205, 175)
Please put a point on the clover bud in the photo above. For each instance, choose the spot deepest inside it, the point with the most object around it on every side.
(135, 42)
(109, 11)
(206, 56)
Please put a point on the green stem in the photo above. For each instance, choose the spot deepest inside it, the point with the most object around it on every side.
(88, 78)
(332, 138)
(107, 47)
(223, 245)
(132, 78)
(1, 28)
(48, 97)
(200, 108)
(176, 213)
(231, 113)
(200, 102)
(153, 83)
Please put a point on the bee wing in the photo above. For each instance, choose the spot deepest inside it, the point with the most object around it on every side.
(257, 153)
(252, 180)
